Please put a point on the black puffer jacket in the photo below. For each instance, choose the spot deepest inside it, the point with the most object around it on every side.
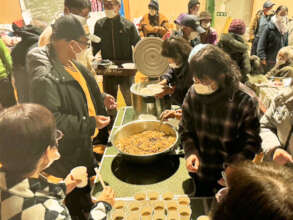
(55, 89)
(118, 36)
(236, 47)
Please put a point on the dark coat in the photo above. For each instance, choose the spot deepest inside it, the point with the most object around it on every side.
(118, 36)
(55, 89)
(236, 47)
(181, 78)
(270, 42)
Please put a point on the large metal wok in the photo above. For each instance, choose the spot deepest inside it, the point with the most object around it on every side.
(140, 126)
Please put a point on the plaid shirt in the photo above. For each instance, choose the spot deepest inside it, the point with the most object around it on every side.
(36, 199)
(223, 127)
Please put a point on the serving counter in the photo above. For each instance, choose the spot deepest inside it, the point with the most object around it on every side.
(169, 174)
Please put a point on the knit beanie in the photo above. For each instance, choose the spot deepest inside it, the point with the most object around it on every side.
(237, 26)
(154, 4)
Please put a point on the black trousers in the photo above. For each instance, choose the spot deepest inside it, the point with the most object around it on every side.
(204, 188)
(79, 203)
(111, 83)
(7, 97)
(254, 46)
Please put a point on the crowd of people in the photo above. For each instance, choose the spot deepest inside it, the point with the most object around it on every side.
(57, 111)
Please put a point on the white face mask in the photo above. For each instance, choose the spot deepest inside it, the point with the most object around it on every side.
(110, 13)
(193, 35)
(174, 66)
(205, 89)
(95, 38)
(52, 158)
(81, 19)
(206, 25)
(82, 57)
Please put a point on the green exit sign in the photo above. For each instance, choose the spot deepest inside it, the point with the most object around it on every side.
(221, 14)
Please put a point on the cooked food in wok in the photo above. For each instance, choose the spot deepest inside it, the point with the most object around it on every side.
(146, 142)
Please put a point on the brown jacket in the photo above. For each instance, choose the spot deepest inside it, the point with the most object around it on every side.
(146, 28)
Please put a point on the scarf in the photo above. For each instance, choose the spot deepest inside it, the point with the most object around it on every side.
(280, 24)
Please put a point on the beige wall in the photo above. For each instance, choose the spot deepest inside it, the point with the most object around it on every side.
(9, 11)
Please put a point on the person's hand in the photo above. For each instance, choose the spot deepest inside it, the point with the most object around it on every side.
(192, 163)
(171, 114)
(163, 82)
(110, 102)
(282, 157)
(221, 194)
(167, 114)
(264, 62)
(102, 121)
(71, 183)
(107, 196)
(166, 91)
(222, 182)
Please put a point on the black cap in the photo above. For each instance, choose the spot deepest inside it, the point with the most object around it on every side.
(154, 4)
(268, 4)
(193, 22)
(192, 3)
(67, 27)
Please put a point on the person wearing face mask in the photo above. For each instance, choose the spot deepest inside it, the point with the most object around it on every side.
(284, 64)
(153, 24)
(178, 80)
(219, 122)
(29, 143)
(258, 24)
(80, 9)
(193, 7)
(191, 29)
(234, 44)
(118, 36)
(210, 36)
(72, 94)
(273, 38)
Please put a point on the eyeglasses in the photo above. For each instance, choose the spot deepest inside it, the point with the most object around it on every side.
(58, 136)
(87, 43)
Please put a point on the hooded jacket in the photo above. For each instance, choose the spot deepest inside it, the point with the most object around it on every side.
(236, 47)
(56, 89)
